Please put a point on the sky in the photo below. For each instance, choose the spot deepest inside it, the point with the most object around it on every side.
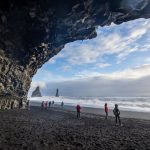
(115, 63)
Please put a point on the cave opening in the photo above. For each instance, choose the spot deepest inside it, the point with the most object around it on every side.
(32, 32)
(114, 64)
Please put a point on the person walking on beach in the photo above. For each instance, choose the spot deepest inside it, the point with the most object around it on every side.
(52, 103)
(62, 104)
(42, 105)
(28, 104)
(106, 110)
(49, 104)
(46, 104)
(117, 115)
(78, 108)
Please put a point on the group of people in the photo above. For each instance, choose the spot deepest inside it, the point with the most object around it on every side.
(46, 104)
(49, 104)
(116, 112)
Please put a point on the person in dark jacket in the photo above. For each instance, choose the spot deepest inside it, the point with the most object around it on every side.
(49, 104)
(28, 105)
(53, 103)
(117, 114)
(62, 104)
(42, 105)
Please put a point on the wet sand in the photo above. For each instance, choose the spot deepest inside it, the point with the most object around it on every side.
(57, 129)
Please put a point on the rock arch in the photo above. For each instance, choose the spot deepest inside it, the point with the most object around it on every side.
(33, 31)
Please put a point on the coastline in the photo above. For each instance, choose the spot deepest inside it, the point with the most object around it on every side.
(100, 111)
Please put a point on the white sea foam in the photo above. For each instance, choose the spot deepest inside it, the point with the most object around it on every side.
(139, 104)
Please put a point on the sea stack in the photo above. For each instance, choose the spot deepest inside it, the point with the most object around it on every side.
(36, 92)
(57, 93)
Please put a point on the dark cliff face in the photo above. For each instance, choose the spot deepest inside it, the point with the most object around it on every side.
(33, 31)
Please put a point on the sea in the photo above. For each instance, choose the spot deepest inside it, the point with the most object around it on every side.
(137, 104)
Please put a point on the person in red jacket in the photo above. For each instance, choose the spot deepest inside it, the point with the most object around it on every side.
(46, 104)
(106, 110)
(78, 108)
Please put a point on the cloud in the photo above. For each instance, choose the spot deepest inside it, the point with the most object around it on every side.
(120, 40)
(66, 68)
(130, 73)
(83, 54)
(103, 65)
(135, 73)
(147, 60)
(44, 75)
(129, 82)
(99, 86)
(53, 59)
(38, 83)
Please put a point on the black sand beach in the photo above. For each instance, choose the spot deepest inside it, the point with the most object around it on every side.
(57, 129)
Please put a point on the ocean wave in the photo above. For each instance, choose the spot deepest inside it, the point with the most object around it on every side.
(140, 104)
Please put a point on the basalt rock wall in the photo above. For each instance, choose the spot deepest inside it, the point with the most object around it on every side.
(33, 31)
